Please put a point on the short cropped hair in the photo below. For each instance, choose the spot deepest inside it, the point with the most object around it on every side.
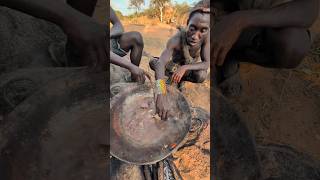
(202, 7)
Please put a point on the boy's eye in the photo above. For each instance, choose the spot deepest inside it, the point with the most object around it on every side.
(192, 28)
(204, 30)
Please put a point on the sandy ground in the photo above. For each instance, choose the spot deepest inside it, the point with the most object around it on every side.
(278, 106)
(192, 162)
(283, 106)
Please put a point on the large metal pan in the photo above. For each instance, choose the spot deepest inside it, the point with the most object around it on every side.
(59, 132)
(138, 137)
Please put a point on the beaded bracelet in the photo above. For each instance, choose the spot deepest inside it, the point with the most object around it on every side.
(161, 86)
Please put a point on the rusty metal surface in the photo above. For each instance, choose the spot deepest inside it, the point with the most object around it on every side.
(136, 135)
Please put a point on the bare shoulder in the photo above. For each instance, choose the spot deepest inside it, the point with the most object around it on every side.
(113, 16)
(174, 41)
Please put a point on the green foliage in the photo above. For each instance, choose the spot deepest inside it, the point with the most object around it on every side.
(181, 8)
(119, 14)
(136, 4)
(176, 13)
(159, 3)
(151, 12)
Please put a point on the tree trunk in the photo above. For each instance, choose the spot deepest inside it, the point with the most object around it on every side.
(161, 14)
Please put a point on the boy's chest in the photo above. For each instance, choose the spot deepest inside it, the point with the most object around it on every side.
(180, 56)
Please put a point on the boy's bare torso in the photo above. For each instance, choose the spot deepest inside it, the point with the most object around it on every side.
(178, 54)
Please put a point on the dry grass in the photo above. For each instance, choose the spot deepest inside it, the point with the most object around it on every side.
(145, 20)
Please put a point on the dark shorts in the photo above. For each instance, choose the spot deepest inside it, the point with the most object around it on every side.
(115, 47)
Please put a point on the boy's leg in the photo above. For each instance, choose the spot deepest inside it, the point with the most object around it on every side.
(274, 48)
(132, 41)
(196, 76)
(85, 6)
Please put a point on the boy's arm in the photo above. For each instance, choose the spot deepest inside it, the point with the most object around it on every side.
(125, 63)
(117, 28)
(296, 13)
(165, 57)
(54, 11)
(86, 35)
(162, 107)
(120, 61)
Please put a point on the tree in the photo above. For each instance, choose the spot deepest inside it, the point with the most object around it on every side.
(119, 14)
(136, 4)
(182, 9)
(159, 4)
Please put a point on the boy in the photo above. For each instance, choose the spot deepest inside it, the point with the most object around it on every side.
(189, 51)
(121, 43)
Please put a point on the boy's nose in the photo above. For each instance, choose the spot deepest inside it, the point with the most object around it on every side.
(196, 36)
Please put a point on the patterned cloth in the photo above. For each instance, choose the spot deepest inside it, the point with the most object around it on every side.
(115, 47)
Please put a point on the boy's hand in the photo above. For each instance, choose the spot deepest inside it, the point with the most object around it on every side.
(89, 40)
(177, 76)
(137, 74)
(225, 33)
(162, 107)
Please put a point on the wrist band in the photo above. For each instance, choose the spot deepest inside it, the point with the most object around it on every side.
(161, 86)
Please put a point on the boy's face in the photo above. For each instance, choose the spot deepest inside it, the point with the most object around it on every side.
(198, 28)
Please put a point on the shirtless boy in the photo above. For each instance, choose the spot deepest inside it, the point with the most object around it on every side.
(121, 43)
(185, 58)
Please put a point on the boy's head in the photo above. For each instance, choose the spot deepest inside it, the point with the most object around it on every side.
(198, 23)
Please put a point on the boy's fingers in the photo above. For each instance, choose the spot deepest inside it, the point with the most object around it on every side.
(143, 78)
(166, 115)
(147, 75)
(176, 78)
(160, 114)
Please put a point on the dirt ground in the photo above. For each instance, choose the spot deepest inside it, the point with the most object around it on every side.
(283, 106)
(192, 162)
(279, 106)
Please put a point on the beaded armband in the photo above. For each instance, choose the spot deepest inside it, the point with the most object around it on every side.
(161, 87)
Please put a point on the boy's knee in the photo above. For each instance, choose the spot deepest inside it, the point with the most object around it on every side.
(137, 38)
(200, 76)
(293, 45)
(153, 63)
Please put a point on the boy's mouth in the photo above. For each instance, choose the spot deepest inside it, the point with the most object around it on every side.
(192, 42)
